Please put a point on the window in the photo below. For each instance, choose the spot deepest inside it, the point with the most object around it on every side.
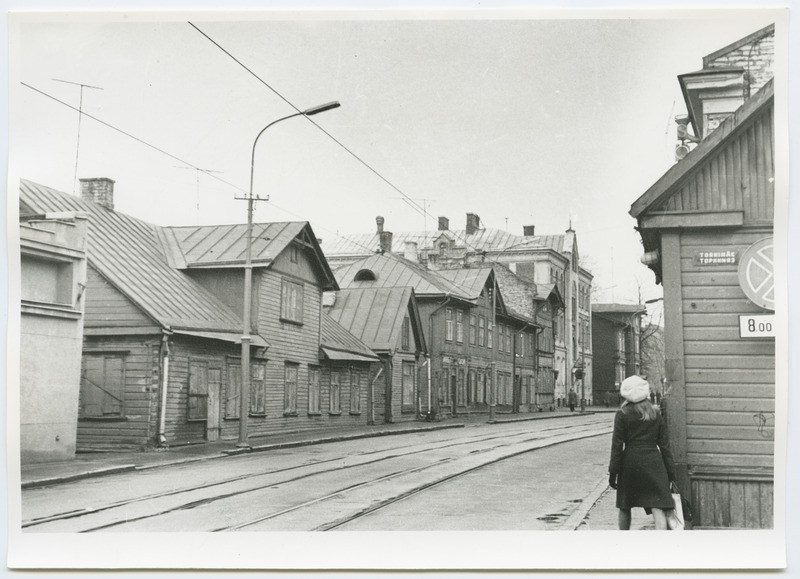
(102, 386)
(292, 302)
(442, 248)
(365, 275)
(460, 327)
(294, 253)
(406, 337)
(290, 389)
(335, 405)
(461, 387)
(472, 331)
(489, 334)
(481, 396)
(472, 386)
(258, 396)
(313, 390)
(198, 391)
(408, 386)
(355, 392)
(481, 331)
(444, 386)
(448, 325)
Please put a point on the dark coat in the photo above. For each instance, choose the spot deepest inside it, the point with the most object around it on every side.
(641, 458)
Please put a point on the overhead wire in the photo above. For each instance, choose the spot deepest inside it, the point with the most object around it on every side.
(180, 160)
(406, 198)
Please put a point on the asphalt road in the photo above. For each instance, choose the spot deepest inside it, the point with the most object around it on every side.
(527, 475)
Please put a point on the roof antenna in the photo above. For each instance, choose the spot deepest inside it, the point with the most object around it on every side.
(80, 115)
(197, 184)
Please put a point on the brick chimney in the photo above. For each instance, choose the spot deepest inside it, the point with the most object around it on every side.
(444, 224)
(473, 223)
(379, 221)
(385, 241)
(99, 190)
(527, 230)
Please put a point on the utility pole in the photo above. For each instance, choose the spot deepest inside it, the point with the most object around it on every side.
(80, 116)
(493, 389)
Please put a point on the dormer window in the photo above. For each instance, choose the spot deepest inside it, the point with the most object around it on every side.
(442, 248)
(365, 275)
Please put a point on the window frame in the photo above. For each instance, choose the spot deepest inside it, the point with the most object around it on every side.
(104, 356)
(314, 391)
(335, 393)
(355, 392)
(459, 327)
(448, 324)
(200, 398)
(290, 388)
(292, 313)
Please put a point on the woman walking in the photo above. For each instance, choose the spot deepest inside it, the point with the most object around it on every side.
(641, 466)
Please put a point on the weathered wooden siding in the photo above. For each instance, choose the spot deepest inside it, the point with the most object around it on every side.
(729, 387)
(738, 176)
(135, 427)
(106, 306)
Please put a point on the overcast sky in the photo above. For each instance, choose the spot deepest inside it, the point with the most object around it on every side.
(523, 121)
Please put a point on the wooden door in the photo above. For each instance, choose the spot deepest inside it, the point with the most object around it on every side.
(214, 406)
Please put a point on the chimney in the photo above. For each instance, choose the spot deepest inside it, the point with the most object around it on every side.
(385, 241)
(411, 251)
(473, 223)
(379, 221)
(527, 230)
(99, 190)
(444, 224)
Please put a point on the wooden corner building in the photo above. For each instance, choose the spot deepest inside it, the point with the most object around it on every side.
(707, 228)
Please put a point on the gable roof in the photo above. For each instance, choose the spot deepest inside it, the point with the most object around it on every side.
(225, 245)
(336, 343)
(663, 188)
(375, 315)
(128, 253)
(393, 271)
(470, 280)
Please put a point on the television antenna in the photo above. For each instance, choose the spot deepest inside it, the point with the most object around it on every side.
(197, 171)
(80, 115)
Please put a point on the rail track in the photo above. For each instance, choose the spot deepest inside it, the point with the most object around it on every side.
(320, 494)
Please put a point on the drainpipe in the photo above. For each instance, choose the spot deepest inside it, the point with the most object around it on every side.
(428, 363)
(428, 343)
(162, 422)
(372, 396)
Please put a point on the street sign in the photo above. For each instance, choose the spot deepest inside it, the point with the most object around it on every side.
(762, 326)
(756, 275)
(727, 257)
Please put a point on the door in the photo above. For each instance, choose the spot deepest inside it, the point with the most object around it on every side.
(214, 407)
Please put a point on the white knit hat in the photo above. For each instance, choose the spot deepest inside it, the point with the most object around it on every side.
(634, 389)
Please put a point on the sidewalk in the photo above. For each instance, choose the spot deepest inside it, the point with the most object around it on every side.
(92, 464)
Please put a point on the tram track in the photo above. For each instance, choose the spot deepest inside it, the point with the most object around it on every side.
(517, 436)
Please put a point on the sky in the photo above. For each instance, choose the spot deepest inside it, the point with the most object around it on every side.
(524, 121)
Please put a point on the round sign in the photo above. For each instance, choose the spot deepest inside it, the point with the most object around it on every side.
(756, 274)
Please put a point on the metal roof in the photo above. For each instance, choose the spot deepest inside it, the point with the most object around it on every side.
(490, 240)
(336, 343)
(128, 253)
(374, 315)
(393, 271)
(618, 308)
(470, 280)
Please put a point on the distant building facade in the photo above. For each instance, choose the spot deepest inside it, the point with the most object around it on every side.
(707, 227)
(540, 259)
(53, 279)
(616, 345)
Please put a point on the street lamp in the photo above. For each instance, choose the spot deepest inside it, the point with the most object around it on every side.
(244, 394)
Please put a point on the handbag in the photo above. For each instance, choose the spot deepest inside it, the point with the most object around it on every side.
(681, 513)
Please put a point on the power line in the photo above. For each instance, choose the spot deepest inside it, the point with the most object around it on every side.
(187, 163)
(408, 200)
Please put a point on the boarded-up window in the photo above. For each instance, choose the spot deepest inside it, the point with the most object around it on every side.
(198, 391)
(408, 386)
(102, 385)
(355, 392)
(292, 301)
(290, 389)
(258, 395)
(233, 387)
(313, 390)
(335, 405)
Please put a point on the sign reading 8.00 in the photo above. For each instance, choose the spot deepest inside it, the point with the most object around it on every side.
(756, 273)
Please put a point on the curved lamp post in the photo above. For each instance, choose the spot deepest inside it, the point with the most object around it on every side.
(244, 393)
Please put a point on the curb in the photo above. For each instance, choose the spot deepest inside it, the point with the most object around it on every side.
(537, 417)
(77, 476)
(576, 519)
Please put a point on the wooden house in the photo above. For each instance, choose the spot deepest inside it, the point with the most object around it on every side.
(163, 323)
(467, 343)
(707, 228)
(388, 321)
